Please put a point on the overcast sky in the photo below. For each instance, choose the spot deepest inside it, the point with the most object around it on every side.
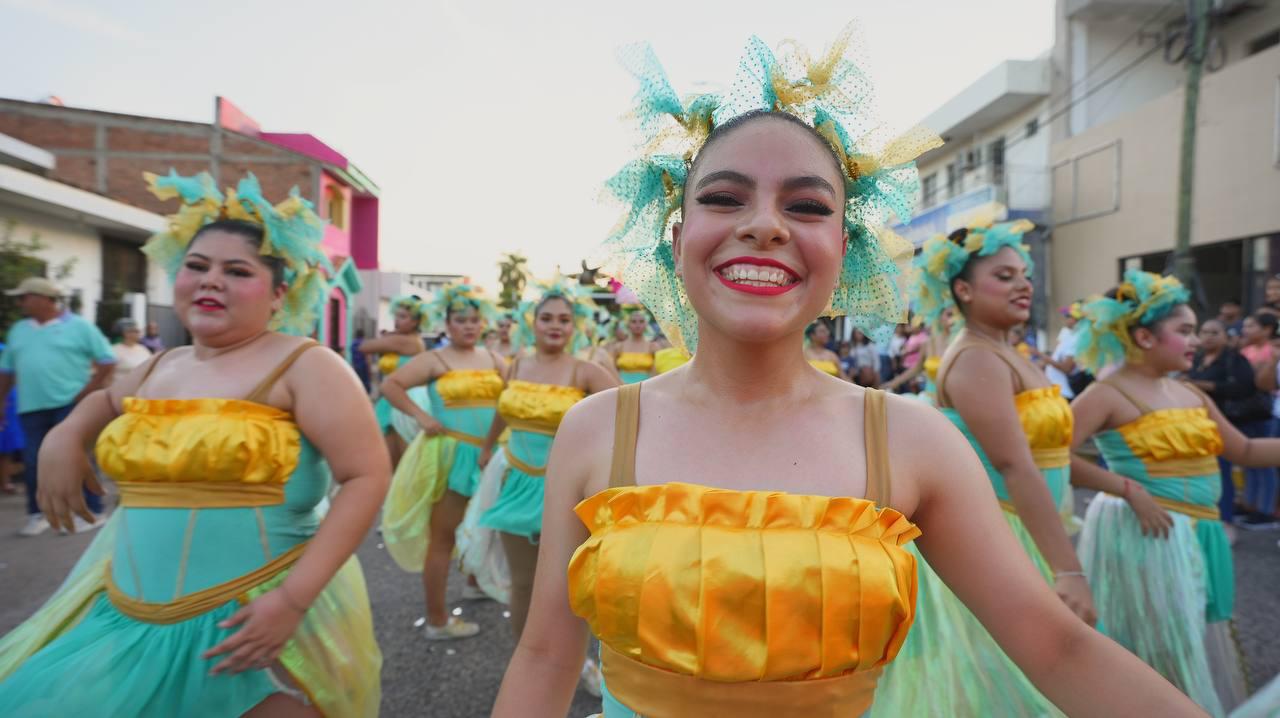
(489, 126)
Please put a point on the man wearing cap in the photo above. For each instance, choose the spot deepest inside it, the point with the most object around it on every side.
(57, 358)
(1062, 363)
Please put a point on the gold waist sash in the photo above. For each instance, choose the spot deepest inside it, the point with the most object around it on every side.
(657, 693)
(465, 438)
(526, 468)
(1182, 468)
(1195, 511)
(198, 494)
(202, 601)
(532, 427)
(470, 403)
(1054, 458)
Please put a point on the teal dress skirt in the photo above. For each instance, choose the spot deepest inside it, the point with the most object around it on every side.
(518, 509)
(382, 409)
(950, 665)
(1167, 600)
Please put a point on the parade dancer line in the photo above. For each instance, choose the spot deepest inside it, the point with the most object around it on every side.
(402, 344)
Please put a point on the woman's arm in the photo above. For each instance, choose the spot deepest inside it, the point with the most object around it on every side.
(968, 543)
(909, 374)
(420, 370)
(1238, 448)
(407, 344)
(332, 412)
(543, 672)
(985, 400)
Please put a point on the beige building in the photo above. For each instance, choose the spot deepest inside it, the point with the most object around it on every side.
(1116, 142)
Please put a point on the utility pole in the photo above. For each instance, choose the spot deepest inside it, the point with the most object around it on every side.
(1198, 33)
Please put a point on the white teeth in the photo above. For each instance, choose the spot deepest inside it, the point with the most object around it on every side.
(753, 275)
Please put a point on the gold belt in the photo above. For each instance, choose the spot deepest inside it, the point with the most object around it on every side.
(657, 693)
(470, 403)
(465, 438)
(526, 468)
(198, 494)
(532, 427)
(202, 601)
(1054, 458)
(1195, 511)
(1182, 468)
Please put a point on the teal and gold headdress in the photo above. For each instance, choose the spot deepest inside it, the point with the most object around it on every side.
(457, 297)
(942, 258)
(291, 232)
(1104, 335)
(828, 93)
(413, 304)
(579, 299)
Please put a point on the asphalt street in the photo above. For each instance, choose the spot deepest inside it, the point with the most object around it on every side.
(459, 679)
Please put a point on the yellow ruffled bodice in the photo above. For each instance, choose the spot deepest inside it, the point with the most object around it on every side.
(1173, 434)
(824, 366)
(744, 586)
(530, 406)
(388, 363)
(1048, 423)
(931, 365)
(469, 387)
(664, 360)
(231, 444)
(635, 361)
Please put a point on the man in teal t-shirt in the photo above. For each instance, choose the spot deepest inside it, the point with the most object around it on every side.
(57, 358)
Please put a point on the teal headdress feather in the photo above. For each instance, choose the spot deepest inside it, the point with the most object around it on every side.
(830, 94)
(1104, 334)
(292, 232)
(579, 299)
(457, 297)
(942, 258)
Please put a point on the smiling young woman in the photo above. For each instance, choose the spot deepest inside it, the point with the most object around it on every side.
(734, 556)
(225, 583)
(1153, 545)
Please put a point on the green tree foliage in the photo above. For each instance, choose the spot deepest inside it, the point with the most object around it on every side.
(513, 274)
(20, 259)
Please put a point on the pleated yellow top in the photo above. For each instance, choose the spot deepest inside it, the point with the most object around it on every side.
(470, 387)
(1047, 421)
(634, 361)
(824, 366)
(664, 360)
(1167, 434)
(745, 601)
(931, 365)
(388, 363)
(530, 406)
(191, 441)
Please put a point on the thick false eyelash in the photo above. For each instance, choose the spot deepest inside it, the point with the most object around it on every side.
(814, 208)
(720, 200)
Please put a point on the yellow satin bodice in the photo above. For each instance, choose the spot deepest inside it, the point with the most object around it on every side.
(469, 387)
(745, 586)
(1168, 434)
(199, 441)
(388, 363)
(1046, 417)
(635, 361)
(532, 406)
(664, 360)
(824, 366)
(931, 365)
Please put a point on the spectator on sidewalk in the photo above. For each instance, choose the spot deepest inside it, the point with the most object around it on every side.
(1231, 314)
(130, 351)
(56, 358)
(11, 441)
(152, 340)
(1060, 365)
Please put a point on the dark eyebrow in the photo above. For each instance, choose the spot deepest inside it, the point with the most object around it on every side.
(727, 175)
(808, 182)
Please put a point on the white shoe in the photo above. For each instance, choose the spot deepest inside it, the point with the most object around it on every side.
(454, 629)
(35, 525)
(591, 677)
(84, 527)
(474, 593)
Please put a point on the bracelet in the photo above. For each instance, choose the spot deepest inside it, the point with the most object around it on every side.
(1066, 574)
(1125, 493)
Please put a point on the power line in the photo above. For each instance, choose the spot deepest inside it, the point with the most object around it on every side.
(1116, 50)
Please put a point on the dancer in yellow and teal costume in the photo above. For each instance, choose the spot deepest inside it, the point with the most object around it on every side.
(1153, 543)
(818, 355)
(440, 470)
(226, 540)
(541, 387)
(395, 349)
(950, 665)
(634, 355)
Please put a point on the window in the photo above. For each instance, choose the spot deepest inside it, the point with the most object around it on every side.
(1263, 42)
(953, 178)
(929, 190)
(996, 151)
(1033, 126)
(335, 205)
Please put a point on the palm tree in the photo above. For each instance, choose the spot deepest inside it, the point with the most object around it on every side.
(512, 275)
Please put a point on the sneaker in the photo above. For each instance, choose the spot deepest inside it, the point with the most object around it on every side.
(35, 525)
(591, 678)
(84, 527)
(1258, 521)
(455, 628)
(475, 593)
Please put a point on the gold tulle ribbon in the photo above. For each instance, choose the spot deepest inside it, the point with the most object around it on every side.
(529, 469)
(203, 601)
(198, 494)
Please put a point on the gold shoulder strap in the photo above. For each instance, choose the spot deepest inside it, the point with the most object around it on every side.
(626, 427)
(945, 371)
(260, 392)
(1141, 406)
(876, 438)
(150, 368)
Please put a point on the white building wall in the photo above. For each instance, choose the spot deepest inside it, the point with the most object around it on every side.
(64, 240)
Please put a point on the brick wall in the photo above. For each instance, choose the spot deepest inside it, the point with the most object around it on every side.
(107, 153)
